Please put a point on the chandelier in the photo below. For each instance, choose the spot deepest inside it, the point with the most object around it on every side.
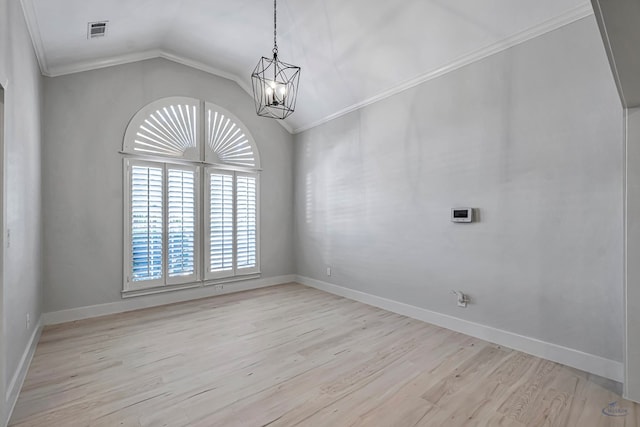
(275, 83)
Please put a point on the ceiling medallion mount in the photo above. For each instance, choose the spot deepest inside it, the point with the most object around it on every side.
(275, 83)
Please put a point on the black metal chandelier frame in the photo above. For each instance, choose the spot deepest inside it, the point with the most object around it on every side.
(275, 83)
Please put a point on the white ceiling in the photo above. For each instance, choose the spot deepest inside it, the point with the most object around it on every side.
(352, 52)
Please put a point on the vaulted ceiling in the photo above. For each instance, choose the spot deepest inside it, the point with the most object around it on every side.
(352, 52)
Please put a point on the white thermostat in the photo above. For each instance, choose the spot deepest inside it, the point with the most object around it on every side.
(462, 214)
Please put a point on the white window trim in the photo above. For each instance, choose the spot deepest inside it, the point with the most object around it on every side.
(199, 284)
(206, 161)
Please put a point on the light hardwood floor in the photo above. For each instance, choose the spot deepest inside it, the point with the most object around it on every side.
(291, 355)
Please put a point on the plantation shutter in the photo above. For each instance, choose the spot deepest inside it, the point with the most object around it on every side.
(146, 223)
(221, 221)
(246, 222)
(191, 206)
(181, 219)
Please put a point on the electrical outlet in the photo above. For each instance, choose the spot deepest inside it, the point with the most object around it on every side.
(218, 287)
(463, 299)
(8, 238)
(328, 271)
(28, 321)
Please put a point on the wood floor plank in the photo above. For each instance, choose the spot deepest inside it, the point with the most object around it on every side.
(290, 355)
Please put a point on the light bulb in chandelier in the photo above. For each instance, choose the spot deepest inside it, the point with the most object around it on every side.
(276, 93)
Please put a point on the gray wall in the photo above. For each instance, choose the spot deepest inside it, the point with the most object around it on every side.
(632, 372)
(533, 137)
(22, 290)
(618, 22)
(85, 119)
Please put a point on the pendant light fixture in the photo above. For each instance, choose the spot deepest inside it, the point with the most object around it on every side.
(275, 83)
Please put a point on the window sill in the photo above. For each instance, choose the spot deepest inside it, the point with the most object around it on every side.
(199, 284)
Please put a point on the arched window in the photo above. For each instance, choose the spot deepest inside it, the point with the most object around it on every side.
(192, 197)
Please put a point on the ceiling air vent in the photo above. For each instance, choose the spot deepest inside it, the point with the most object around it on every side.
(97, 29)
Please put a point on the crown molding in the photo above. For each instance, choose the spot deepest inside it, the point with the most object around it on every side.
(78, 67)
(34, 31)
(172, 56)
(96, 64)
(566, 18)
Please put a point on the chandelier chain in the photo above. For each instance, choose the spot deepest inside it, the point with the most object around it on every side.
(275, 27)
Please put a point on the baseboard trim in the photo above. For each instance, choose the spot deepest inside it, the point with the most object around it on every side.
(13, 391)
(593, 364)
(129, 304)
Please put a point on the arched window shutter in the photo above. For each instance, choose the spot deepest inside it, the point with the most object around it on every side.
(171, 127)
(168, 127)
(228, 141)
